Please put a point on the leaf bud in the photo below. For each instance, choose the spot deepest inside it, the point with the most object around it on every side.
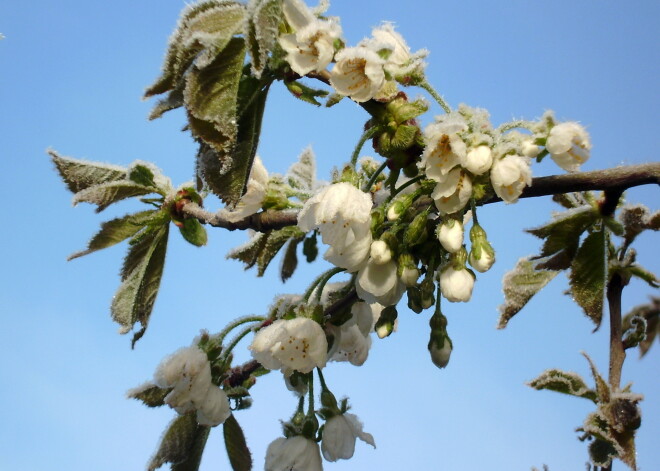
(385, 324)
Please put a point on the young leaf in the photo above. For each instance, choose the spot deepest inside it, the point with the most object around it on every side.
(305, 93)
(302, 174)
(264, 18)
(589, 274)
(237, 450)
(196, 451)
(105, 194)
(205, 25)
(141, 174)
(290, 259)
(150, 394)
(82, 174)
(602, 388)
(650, 312)
(262, 248)
(115, 231)
(177, 442)
(141, 274)
(519, 285)
(643, 274)
(565, 383)
(194, 232)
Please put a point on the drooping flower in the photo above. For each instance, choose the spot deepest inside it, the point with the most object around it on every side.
(452, 192)
(445, 149)
(379, 283)
(214, 409)
(450, 235)
(342, 214)
(339, 435)
(353, 345)
(400, 64)
(311, 48)
(509, 176)
(478, 160)
(251, 201)
(569, 145)
(440, 354)
(456, 285)
(358, 73)
(293, 454)
(297, 344)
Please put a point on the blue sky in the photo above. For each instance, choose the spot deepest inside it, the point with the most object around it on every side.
(72, 74)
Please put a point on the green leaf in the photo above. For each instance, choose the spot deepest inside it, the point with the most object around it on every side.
(602, 388)
(172, 101)
(519, 285)
(82, 174)
(194, 232)
(141, 275)
(237, 450)
(142, 175)
(290, 259)
(105, 194)
(263, 247)
(643, 274)
(205, 26)
(305, 93)
(650, 312)
(179, 443)
(564, 382)
(310, 247)
(302, 174)
(196, 451)
(115, 231)
(264, 18)
(588, 275)
(562, 236)
(150, 394)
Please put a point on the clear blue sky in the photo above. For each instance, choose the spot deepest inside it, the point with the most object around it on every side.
(72, 73)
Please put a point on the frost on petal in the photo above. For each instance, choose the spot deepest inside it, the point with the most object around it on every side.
(214, 408)
(509, 177)
(254, 195)
(297, 13)
(478, 160)
(339, 436)
(358, 73)
(445, 149)
(293, 454)
(311, 48)
(456, 285)
(569, 145)
(453, 192)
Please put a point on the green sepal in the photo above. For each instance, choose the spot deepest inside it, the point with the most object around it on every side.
(238, 453)
(564, 382)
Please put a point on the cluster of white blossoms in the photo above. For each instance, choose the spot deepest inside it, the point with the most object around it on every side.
(187, 372)
(363, 72)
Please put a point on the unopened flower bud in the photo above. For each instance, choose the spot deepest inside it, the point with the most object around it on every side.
(310, 427)
(456, 284)
(416, 232)
(482, 255)
(440, 351)
(414, 299)
(407, 269)
(479, 160)
(399, 206)
(450, 235)
(529, 149)
(385, 324)
(427, 290)
(380, 252)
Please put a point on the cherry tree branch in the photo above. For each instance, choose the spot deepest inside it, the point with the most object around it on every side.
(612, 180)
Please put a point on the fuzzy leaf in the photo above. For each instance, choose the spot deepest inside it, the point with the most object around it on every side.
(193, 231)
(519, 285)
(141, 275)
(645, 275)
(602, 388)
(565, 383)
(237, 450)
(172, 101)
(262, 248)
(142, 175)
(115, 231)
(207, 25)
(305, 93)
(589, 274)
(264, 17)
(105, 194)
(635, 220)
(650, 312)
(290, 259)
(196, 451)
(82, 174)
(310, 248)
(177, 444)
(404, 136)
(150, 394)
(562, 236)
(302, 174)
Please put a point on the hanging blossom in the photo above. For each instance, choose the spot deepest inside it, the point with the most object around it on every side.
(478, 160)
(509, 177)
(445, 149)
(340, 434)
(253, 198)
(295, 453)
(353, 339)
(297, 344)
(450, 235)
(311, 48)
(188, 373)
(569, 145)
(358, 73)
(342, 213)
(379, 283)
(453, 192)
(456, 284)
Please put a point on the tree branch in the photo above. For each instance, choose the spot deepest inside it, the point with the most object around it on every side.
(612, 180)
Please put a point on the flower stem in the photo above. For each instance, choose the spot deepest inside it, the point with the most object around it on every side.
(436, 96)
(373, 178)
(310, 384)
(321, 280)
(405, 185)
(516, 124)
(324, 387)
(473, 206)
(232, 345)
(368, 134)
(237, 322)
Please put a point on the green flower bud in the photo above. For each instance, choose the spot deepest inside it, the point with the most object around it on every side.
(414, 299)
(407, 269)
(399, 206)
(427, 291)
(482, 255)
(440, 350)
(385, 324)
(416, 233)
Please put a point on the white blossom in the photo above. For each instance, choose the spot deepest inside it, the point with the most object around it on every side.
(293, 454)
(569, 145)
(380, 252)
(483, 263)
(452, 192)
(214, 409)
(297, 344)
(440, 356)
(254, 196)
(358, 73)
(297, 13)
(478, 160)
(352, 345)
(400, 63)
(311, 48)
(343, 215)
(509, 176)
(456, 285)
(450, 235)
(339, 435)
(529, 149)
(379, 283)
(445, 149)
(409, 276)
